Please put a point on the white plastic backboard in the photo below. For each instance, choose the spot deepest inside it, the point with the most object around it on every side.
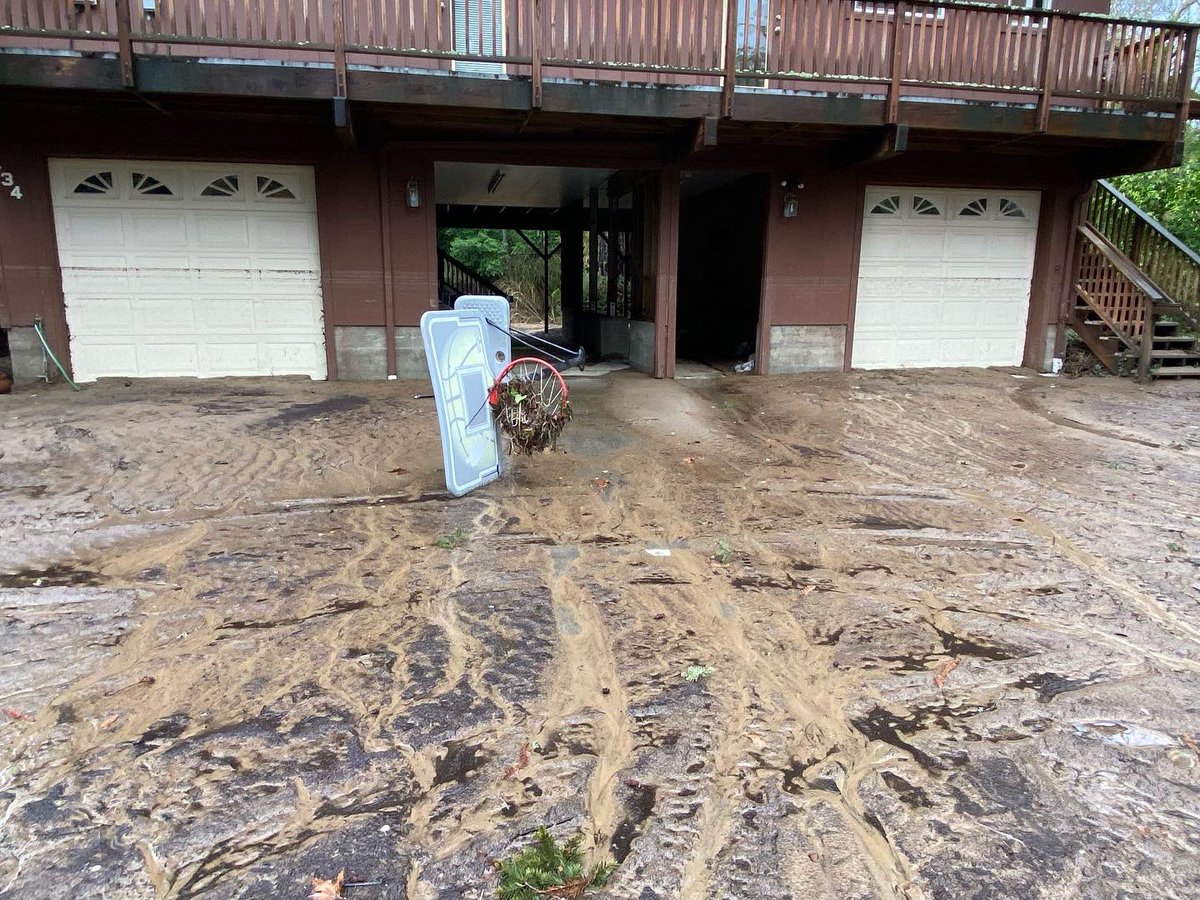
(457, 350)
(495, 309)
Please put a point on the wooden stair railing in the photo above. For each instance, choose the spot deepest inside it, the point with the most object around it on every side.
(1119, 295)
(1137, 286)
(456, 279)
(1168, 263)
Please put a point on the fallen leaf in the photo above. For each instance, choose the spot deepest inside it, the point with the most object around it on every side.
(688, 460)
(807, 589)
(399, 470)
(814, 856)
(324, 889)
(1187, 738)
(147, 680)
(601, 484)
(109, 722)
(944, 671)
(17, 714)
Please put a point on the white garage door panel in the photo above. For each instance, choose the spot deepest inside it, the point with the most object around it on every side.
(944, 277)
(189, 269)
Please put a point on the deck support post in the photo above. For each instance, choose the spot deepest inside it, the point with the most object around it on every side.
(125, 43)
(892, 107)
(1049, 54)
(729, 79)
(1146, 347)
(535, 43)
(1186, 68)
(343, 124)
(666, 272)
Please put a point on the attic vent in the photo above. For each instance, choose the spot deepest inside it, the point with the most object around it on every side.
(100, 183)
(888, 206)
(272, 189)
(225, 186)
(148, 184)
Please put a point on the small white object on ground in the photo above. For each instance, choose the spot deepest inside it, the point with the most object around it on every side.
(658, 551)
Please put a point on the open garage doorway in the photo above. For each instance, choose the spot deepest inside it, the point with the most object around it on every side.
(722, 222)
(563, 244)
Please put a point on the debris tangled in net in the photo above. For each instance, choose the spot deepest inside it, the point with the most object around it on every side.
(531, 421)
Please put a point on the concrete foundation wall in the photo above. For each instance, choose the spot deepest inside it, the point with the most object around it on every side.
(410, 354)
(807, 348)
(28, 362)
(641, 346)
(361, 353)
(614, 337)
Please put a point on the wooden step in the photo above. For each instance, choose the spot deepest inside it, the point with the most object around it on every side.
(1175, 354)
(1178, 372)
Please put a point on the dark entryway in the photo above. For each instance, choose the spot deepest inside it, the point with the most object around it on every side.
(721, 231)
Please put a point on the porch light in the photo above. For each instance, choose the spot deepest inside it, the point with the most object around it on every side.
(791, 203)
(413, 195)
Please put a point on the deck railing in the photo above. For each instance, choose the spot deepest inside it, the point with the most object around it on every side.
(1170, 264)
(894, 48)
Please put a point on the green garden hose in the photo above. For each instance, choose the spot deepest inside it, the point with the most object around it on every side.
(37, 326)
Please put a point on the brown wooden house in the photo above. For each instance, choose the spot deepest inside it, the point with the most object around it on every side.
(227, 187)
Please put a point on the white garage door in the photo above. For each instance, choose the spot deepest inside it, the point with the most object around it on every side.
(189, 269)
(944, 277)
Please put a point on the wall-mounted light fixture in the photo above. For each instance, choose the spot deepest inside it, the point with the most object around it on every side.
(413, 194)
(494, 184)
(791, 202)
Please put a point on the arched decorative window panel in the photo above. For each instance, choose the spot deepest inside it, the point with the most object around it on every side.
(977, 207)
(99, 183)
(148, 184)
(1011, 209)
(225, 186)
(888, 206)
(923, 206)
(270, 189)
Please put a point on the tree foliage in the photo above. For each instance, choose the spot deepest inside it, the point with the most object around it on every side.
(506, 260)
(1171, 195)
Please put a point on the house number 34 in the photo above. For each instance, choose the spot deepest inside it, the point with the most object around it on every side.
(8, 183)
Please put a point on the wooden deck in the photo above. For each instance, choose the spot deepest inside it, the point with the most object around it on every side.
(889, 50)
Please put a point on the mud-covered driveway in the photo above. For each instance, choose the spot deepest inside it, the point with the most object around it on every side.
(952, 621)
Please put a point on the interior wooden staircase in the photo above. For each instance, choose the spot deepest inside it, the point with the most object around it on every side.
(1137, 291)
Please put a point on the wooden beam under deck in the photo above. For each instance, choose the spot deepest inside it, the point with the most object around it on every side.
(381, 91)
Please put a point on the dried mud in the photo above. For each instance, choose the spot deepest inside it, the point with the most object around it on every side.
(952, 621)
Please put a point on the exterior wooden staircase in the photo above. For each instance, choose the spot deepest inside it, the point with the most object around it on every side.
(456, 279)
(1137, 291)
